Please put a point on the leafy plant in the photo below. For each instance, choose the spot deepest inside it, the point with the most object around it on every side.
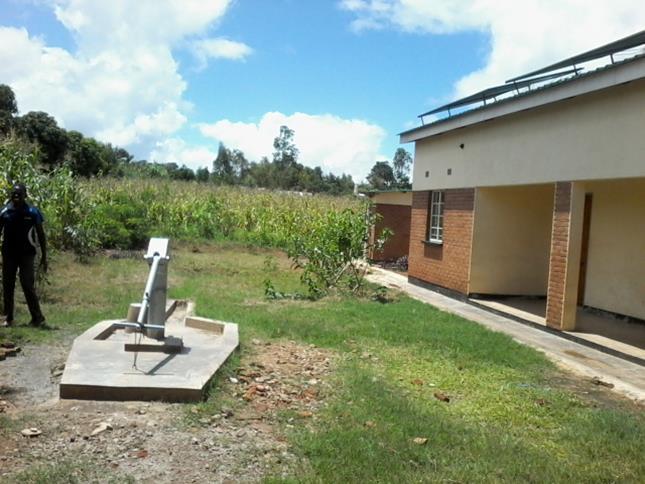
(331, 251)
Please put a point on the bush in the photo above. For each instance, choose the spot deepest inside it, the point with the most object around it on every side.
(57, 194)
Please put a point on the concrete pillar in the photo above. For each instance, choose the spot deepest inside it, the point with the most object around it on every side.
(564, 263)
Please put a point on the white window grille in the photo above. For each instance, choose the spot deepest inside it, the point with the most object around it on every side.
(435, 234)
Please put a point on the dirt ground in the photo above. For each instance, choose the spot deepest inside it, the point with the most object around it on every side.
(236, 441)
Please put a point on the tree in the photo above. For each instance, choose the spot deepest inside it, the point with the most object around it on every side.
(240, 165)
(8, 102)
(285, 151)
(8, 108)
(202, 174)
(41, 128)
(401, 163)
(86, 155)
(285, 159)
(122, 155)
(175, 172)
(223, 172)
(381, 176)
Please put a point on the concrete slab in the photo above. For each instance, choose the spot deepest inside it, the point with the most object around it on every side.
(620, 336)
(100, 368)
(628, 378)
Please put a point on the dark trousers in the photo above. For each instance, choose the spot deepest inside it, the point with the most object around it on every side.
(24, 265)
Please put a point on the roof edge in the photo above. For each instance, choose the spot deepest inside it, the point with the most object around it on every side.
(627, 71)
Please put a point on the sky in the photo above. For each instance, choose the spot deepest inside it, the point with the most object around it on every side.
(170, 79)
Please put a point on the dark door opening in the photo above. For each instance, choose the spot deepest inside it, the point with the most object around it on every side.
(584, 249)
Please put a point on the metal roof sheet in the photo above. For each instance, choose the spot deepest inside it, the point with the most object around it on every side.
(625, 43)
(527, 80)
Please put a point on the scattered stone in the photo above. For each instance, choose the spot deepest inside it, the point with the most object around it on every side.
(102, 427)
(280, 380)
(31, 432)
(442, 396)
(370, 424)
(597, 381)
(252, 390)
(417, 382)
(10, 351)
(420, 440)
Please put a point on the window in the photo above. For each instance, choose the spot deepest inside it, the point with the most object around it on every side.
(435, 234)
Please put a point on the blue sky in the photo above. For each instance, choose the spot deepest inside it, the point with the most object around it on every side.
(170, 79)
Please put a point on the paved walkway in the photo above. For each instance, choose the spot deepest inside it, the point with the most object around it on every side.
(628, 378)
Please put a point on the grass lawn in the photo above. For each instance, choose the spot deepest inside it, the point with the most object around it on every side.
(511, 415)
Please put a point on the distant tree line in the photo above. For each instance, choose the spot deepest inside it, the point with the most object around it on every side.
(282, 172)
(88, 157)
(55, 145)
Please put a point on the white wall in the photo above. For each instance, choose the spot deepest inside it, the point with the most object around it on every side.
(512, 240)
(593, 136)
(393, 198)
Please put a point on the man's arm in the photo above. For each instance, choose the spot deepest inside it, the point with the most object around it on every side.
(43, 246)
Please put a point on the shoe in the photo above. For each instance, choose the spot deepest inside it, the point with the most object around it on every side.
(37, 321)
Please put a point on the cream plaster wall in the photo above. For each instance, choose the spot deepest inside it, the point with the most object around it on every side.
(393, 198)
(511, 240)
(591, 136)
(616, 259)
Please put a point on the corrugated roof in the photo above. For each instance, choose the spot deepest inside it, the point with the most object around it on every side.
(523, 94)
(492, 92)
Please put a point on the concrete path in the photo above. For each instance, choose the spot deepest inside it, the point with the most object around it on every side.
(628, 378)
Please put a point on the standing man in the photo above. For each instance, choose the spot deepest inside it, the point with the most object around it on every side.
(21, 226)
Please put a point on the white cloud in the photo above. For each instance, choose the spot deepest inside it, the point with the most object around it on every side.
(219, 48)
(175, 150)
(336, 144)
(121, 83)
(524, 35)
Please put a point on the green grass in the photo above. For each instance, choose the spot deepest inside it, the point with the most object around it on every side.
(77, 296)
(512, 415)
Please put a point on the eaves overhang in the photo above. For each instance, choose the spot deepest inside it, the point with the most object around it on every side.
(615, 75)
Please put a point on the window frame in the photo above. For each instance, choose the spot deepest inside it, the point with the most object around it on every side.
(436, 216)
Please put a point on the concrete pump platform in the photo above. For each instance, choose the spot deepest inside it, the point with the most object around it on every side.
(111, 363)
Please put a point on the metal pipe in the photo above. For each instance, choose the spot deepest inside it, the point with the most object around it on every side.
(146, 292)
(125, 324)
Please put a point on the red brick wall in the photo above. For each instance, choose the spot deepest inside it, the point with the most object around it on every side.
(559, 254)
(446, 265)
(397, 219)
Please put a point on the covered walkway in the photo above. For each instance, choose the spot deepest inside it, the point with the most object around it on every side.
(614, 333)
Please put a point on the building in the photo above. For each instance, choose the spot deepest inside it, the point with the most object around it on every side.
(394, 208)
(539, 193)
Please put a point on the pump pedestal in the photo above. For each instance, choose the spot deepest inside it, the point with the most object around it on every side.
(161, 351)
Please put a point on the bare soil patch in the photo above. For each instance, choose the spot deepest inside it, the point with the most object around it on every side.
(240, 438)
